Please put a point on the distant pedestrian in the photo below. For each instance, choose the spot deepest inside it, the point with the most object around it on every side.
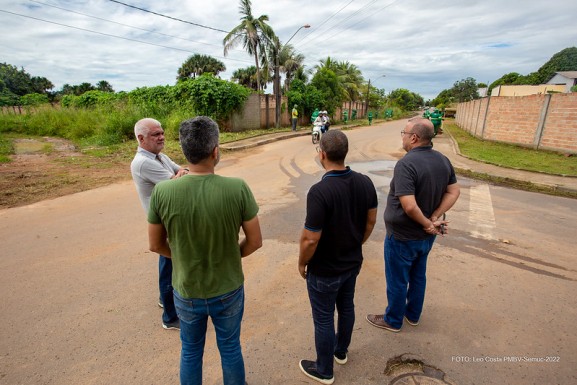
(295, 117)
(341, 214)
(201, 214)
(424, 187)
(148, 168)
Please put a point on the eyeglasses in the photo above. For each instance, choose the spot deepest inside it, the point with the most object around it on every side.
(408, 132)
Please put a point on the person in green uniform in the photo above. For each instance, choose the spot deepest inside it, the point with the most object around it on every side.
(436, 118)
(315, 114)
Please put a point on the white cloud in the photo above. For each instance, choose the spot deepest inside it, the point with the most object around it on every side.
(423, 47)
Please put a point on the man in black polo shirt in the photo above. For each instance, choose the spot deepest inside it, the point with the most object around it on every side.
(423, 189)
(341, 214)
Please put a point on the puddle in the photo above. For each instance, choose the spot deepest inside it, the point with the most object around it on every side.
(380, 172)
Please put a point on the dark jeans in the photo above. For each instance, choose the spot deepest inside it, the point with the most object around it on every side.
(294, 122)
(324, 294)
(405, 273)
(165, 288)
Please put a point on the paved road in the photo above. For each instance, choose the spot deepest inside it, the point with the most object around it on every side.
(79, 291)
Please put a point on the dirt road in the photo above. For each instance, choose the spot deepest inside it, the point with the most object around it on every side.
(79, 287)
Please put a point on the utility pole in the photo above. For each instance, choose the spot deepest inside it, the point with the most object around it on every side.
(276, 87)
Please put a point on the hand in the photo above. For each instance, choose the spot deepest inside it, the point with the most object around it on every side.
(303, 271)
(181, 172)
(437, 227)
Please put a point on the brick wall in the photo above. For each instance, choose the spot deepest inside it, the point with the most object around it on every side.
(538, 121)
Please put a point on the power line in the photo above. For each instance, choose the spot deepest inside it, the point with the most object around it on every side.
(125, 25)
(115, 36)
(168, 17)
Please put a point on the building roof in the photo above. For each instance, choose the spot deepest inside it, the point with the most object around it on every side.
(568, 74)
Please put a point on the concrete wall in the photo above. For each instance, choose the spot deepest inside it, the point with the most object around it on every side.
(259, 113)
(546, 121)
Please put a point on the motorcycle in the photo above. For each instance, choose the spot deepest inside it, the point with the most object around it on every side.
(317, 132)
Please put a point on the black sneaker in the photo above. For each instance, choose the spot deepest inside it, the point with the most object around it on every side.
(341, 358)
(309, 368)
(174, 325)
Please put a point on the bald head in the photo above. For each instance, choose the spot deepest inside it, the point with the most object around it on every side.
(423, 128)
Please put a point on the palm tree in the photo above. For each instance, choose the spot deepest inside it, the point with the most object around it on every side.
(197, 65)
(245, 77)
(351, 79)
(290, 62)
(104, 86)
(248, 33)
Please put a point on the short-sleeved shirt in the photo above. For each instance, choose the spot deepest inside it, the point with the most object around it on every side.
(295, 113)
(338, 206)
(202, 215)
(147, 171)
(424, 173)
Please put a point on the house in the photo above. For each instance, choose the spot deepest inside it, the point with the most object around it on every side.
(524, 90)
(566, 78)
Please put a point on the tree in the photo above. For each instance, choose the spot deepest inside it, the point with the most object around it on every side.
(351, 80)
(509, 78)
(197, 65)
(290, 62)
(248, 33)
(445, 98)
(405, 99)
(564, 60)
(104, 86)
(245, 77)
(41, 85)
(327, 83)
(211, 96)
(465, 90)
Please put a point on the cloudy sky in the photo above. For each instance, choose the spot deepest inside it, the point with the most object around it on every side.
(418, 45)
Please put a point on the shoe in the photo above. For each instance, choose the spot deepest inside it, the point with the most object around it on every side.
(378, 321)
(174, 325)
(309, 368)
(341, 358)
(412, 323)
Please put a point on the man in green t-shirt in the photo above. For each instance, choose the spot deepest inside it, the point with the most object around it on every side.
(201, 214)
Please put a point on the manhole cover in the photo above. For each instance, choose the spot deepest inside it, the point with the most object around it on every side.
(417, 379)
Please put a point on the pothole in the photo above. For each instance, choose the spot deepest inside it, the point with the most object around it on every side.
(409, 370)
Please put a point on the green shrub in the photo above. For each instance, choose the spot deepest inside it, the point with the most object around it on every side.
(33, 99)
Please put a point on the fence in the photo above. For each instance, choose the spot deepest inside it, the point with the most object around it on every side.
(259, 113)
(545, 121)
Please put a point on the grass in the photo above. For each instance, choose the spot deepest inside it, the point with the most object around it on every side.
(6, 149)
(512, 156)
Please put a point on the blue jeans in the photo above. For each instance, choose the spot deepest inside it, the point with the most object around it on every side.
(165, 288)
(226, 313)
(405, 272)
(324, 294)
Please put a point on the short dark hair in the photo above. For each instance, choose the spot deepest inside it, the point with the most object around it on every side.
(336, 145)
(198, 138)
